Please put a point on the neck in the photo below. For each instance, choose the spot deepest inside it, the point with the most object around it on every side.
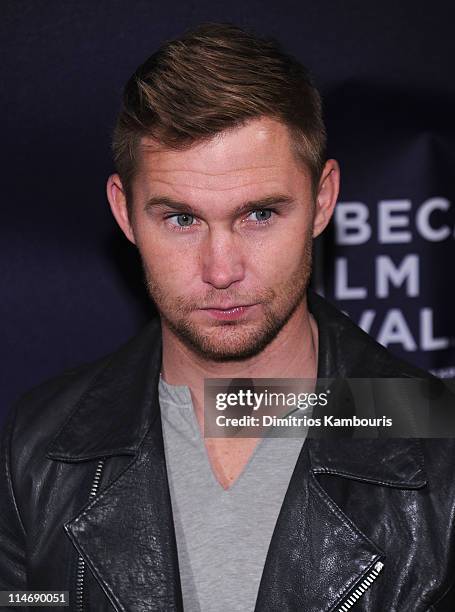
(292, 354)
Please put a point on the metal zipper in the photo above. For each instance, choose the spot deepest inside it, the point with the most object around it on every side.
(80, 561)
(363, 586)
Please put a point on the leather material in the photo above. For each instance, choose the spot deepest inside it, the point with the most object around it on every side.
(350, 502)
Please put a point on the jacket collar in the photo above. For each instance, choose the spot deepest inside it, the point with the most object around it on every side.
(346, 351)
(121, 405)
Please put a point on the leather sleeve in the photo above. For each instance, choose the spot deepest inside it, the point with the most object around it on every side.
(13, 563)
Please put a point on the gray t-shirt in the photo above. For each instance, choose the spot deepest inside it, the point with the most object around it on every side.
(222, 535)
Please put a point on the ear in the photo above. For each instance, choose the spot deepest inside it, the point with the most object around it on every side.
(328, 189)
(118, 204)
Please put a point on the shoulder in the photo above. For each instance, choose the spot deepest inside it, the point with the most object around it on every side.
(349, 351)
(41, 412)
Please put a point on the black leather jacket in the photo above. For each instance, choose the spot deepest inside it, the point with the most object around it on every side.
(85, 504)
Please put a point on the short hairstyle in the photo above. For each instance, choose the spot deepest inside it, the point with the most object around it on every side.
(212, 79)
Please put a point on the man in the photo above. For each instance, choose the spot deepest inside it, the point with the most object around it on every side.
(109, 489)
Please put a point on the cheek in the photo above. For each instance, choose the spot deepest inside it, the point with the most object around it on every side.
(169, 266)
(281, 253)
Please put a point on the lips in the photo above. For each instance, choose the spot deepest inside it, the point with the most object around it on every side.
(226, 308)
(229, 313)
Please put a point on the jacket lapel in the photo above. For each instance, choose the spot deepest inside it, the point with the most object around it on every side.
(126, 533)
(318, 555)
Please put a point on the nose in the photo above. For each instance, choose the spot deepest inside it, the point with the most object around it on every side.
(222, 259)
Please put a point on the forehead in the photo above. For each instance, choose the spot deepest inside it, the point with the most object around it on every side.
(256, 155)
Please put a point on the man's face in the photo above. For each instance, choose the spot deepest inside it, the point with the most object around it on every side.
(225, 231)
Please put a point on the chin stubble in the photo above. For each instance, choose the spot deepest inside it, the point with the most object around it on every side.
(244, 341)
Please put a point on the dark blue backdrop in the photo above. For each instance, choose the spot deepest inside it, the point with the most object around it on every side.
(72, 287)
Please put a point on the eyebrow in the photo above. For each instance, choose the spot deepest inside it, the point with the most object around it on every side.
(166, 202)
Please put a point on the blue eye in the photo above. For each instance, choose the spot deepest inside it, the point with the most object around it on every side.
(262, 214)
(183, 220)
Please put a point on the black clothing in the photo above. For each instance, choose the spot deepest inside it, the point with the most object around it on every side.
(85, 504)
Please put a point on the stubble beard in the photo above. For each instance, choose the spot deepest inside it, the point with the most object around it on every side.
(233, 340)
